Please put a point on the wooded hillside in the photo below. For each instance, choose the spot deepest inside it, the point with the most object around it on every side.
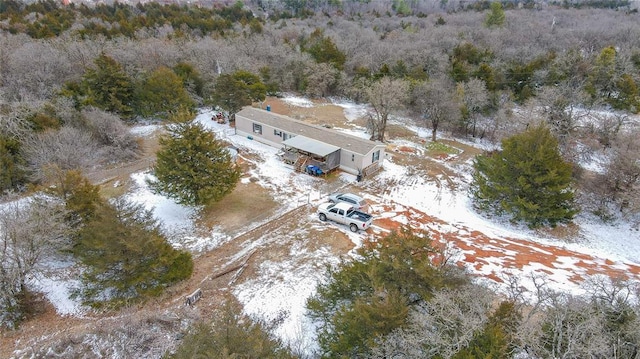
(545, 63)
(74, 78)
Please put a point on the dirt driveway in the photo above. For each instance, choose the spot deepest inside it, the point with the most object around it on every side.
(239, 259)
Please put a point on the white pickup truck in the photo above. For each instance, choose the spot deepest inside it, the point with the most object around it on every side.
(344, 213)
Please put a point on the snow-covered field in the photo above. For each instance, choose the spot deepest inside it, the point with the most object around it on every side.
(281, 290)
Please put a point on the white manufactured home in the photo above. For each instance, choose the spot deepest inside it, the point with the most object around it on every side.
(304, 144)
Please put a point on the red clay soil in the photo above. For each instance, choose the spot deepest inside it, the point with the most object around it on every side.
(488, 256)
(483, 254)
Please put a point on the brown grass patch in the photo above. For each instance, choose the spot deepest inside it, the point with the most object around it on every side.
(248, 203)
(116, 187)
(565, 232)
(333, 239)
(322, 113)
(398, 131)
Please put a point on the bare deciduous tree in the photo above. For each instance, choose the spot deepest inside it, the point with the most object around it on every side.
(115, 137)
(607, 126)
(571, 329)
(66, 149)
(30, 231)
(36, 70)
(474, 96)
(446, 324)
(601, 324)
(615, 188)
(435, 102)
(385, 96)
(322, 78)
(14, 123)
(561, 108)
(623, 170)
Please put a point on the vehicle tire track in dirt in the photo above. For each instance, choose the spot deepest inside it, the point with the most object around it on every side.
(148, 147)
(210, 266)
(214, 273)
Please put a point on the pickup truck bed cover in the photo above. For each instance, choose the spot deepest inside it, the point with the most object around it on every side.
(344, 213)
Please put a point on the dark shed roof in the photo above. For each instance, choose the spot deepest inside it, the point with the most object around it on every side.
(296, 127)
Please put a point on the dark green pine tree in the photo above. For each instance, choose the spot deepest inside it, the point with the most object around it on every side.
(496, 17)
(108, 87)
(191, 78)
(230, 335)
(126, 256)
(11, 162)
(367, 298)
(497, 338)
(324, 50)
(161, 92)
(192, 166)
(234, 91)
(528, 180)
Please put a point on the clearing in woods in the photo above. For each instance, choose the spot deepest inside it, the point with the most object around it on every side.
(244, 215)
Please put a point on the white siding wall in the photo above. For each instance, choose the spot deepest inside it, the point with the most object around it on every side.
(349, 161)
(245, 127)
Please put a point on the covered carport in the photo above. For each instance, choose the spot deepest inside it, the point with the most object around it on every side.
(303, 151)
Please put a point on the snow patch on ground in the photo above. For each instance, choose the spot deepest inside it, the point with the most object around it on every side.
(177, 221)
(281, 289)
(352, 111)
(298, 101)
(58, 292)
(143, 130)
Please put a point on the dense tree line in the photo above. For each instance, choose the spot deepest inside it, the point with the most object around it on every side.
(72, 78)
(454, 72)
(114, 20)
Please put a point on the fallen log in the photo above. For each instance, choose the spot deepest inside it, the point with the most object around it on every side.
(234, 268)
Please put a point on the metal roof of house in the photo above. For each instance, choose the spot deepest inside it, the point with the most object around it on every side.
(295, 127)
(310, 145)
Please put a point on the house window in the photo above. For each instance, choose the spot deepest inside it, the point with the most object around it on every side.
(277, 133)
(257, 128)
(376, 156)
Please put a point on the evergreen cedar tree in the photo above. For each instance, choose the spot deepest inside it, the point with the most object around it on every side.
(364, 300)
(12, 163)
(160, 92)
(126, 257)
(234, 91)
(230, 334)
(192, 166)
(495, 17)
(527, 179)
(106, 86)
(368, 297)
